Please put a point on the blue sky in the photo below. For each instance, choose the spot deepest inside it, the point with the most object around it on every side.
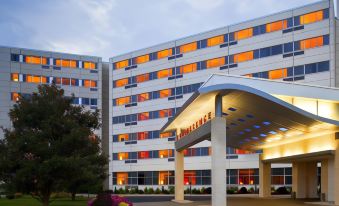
(111, 27)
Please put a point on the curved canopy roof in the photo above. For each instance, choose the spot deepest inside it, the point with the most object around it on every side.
(259, 112)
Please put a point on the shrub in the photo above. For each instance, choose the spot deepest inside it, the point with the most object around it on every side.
(109, 200)
(195, 191)
(157, 191)
(151, 191)
(121, 191)
(251, 190)
(242, 190)
(231, 191)
(171, 189)
(10, 196)
(208, 190)
(282, 191)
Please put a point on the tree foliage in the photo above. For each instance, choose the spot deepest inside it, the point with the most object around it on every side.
(50, 144)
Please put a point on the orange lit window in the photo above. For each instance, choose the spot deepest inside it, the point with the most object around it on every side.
(164, 73)
(122, 101)
(164, 53)
(121, 64)
(121, 82)
(66, 81)
(122, 137)
(165, 93)
(15, 77)
(163, 153)
(276, 26)
(65, 63)
(142, 78)
(28, 78)
(163, 113)
(122, 178)
(57, 80)
(215, 62)
(87, 83)
(143, 97)
(243, 34)
(43, 60)
(163, 178)
(190, 178)
(166, 134)
(245, 56)
(142, 135)
(58, 62)
(188, 68)
(122, 155)
(143, 116)
(215, 40)
(89, 65)
(143, 155)
(142, 59)
(277, 74)
(72, 63)
(33, 60)
(188, 47)
(93, 83)
(312, 17)
(248, 75)
(14, 96)
(73, 82)
(43, 80)
(36, 79)
(311, 43)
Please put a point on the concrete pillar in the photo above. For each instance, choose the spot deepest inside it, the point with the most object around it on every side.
(327, 183)
(264, 178)
(179, 176)
(311, 180)
(305, 179)
(298, 180)
(335, 171)
(218, 142)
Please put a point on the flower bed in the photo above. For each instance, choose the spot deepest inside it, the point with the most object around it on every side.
(109, 200)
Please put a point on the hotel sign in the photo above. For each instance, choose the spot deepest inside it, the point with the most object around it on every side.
(194, 126)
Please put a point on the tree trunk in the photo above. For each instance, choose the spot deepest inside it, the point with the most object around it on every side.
(45, 201)
(73, 196)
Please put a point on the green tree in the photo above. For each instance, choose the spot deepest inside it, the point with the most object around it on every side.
(51, 141)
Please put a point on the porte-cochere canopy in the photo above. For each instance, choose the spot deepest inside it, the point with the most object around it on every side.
(290, 122)
(259, 113)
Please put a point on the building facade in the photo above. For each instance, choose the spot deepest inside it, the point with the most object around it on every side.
(23, 69)
(150, 85)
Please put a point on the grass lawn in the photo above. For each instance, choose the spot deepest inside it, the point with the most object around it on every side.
(29, 201)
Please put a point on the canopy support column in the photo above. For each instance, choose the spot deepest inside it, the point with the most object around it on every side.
(264, 178)
(218, 142)
(179, 176)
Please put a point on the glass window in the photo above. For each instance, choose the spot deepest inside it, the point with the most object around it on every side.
(89, 65)
(276, 26)
(265, 52)
(188, 68)
(215, 40)
(164, 73)
(188, 47)
(142, 78)
(122, 101)
(245, 56)
(87, 83)
(217, 62)
(14, 96)
(243, 34)
(277, 74)
(288, 47)
(143, 97)
(277, 49)
(143, 116)
(66, 81)
(15, 77)
(121, 64)
(33, 60)
(311, 43)
(311, 17)
(299, 70)
(310, 68)
(165, 93)
(142, 59)
(164, 53)
(121, 82)
(323, 66)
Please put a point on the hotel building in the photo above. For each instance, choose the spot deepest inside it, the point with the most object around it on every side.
(147, 87)
(23, 69)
